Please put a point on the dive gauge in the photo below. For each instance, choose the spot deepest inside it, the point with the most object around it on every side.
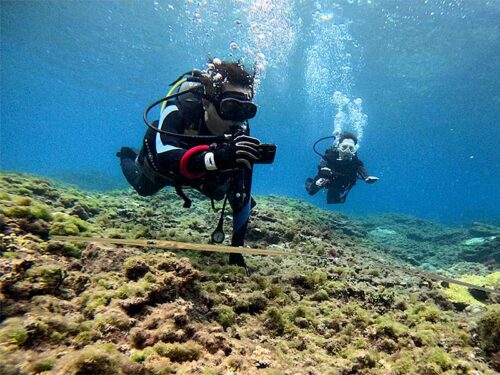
(218, 236)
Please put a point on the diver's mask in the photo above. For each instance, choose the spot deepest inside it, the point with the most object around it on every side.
(347, 149)
(234, 106)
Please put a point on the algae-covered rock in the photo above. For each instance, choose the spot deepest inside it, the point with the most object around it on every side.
(274, 320)
(484, 249)
(42, 365)
(103, 359)
(461, 294)
(82, 308)
(489, 328)
(135, 268)
(42, 279)
(188, 351)
(225, 316)
(13, 333)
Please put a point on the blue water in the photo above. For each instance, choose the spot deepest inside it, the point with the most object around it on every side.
(76, 76)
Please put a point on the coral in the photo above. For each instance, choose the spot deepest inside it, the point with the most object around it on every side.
(482, 249)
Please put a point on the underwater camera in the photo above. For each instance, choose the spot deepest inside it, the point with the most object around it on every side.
(267, 152)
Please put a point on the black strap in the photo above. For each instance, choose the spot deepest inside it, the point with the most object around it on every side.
(218, 233)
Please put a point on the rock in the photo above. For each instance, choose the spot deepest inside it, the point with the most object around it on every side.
(487, 251)
(80, 211)
(136, 270)
(101, 258)
(478, 294)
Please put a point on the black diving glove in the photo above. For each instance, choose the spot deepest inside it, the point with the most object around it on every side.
(241, 152)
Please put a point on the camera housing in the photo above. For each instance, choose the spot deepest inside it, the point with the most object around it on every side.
(267, 152)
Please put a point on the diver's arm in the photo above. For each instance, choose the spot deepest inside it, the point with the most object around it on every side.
(195, 162)
(322, 179)
(239, 153)
(363, 174)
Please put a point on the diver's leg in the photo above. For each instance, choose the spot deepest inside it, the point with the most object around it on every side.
(240, 200)
(343, 196)
(134, 175)
(241, 214)
(333, 196)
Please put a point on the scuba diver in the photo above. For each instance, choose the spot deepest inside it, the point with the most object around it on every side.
(202, 141)
(338, 169)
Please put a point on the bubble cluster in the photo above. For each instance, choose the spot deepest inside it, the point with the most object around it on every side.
(328, 61)
(262, 32)
(349, 115)
(271, 34)
(329, 68)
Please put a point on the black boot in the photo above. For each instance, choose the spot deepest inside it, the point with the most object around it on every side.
(127, 153)
(238, 260)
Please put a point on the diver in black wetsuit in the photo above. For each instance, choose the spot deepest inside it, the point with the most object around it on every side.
(217, 103)
(338, 170)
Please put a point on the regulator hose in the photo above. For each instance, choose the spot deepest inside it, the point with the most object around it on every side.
(319, 140)
(215, 138)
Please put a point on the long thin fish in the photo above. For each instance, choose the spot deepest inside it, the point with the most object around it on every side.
(175, 245)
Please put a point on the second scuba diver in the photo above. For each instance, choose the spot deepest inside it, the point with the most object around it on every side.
(338, 170)
(202, 141)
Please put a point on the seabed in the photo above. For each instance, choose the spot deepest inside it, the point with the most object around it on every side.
(99, 308)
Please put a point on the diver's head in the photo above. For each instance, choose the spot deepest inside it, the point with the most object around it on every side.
(228, 96)
(347, 146)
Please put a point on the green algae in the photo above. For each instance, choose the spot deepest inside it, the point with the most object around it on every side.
(275, 321)
(225, 316)
(461, 294)
(188, 351)
(13, 333)
(42, 365)
(100, 359)
(489, 328)
(344, 316)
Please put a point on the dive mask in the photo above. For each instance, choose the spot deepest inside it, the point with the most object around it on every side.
(347, 149)
(234, 106)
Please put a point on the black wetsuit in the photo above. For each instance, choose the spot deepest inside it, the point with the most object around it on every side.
(158, 164)
(341, 179)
